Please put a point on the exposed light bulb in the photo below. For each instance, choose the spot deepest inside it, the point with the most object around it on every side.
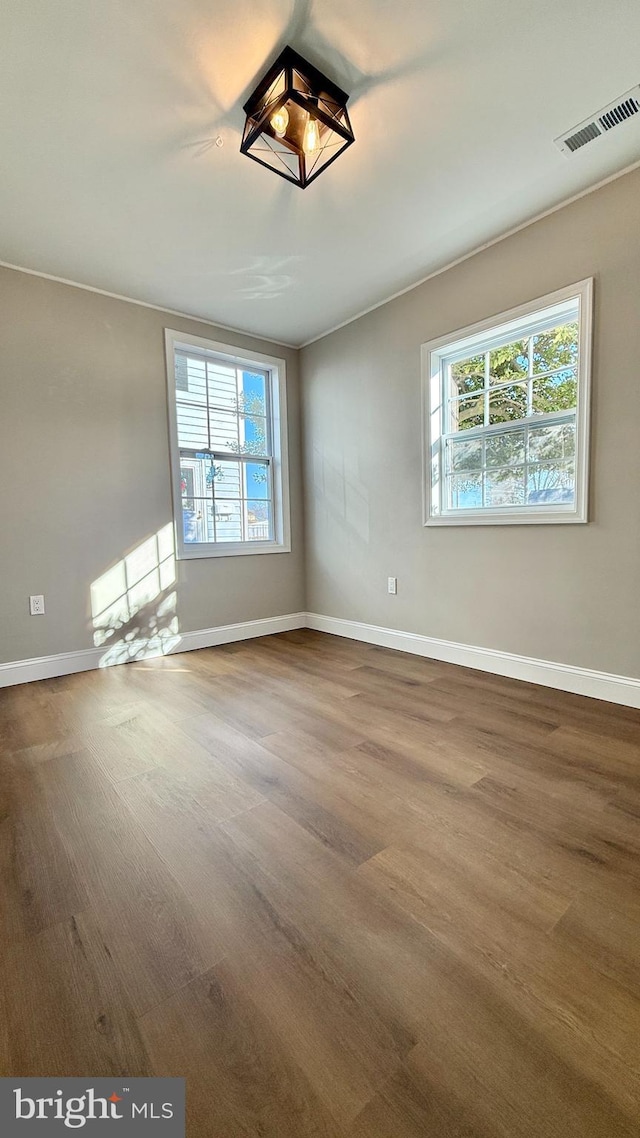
(280, 121)
(311, 136)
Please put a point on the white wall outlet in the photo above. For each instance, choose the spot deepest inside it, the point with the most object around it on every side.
(392, 585)
(36, 606)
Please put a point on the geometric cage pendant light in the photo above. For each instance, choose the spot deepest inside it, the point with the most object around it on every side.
(297, 122)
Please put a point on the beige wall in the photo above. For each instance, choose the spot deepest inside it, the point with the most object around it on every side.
(564, 593)
(85, 470)
(84, 467)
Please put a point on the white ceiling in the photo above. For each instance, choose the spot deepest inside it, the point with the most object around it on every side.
(110, 175)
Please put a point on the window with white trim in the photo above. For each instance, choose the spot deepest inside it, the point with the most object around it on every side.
(227, 417)
(507, 416)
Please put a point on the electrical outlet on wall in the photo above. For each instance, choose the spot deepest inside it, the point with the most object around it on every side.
(36, 606)
(392, 585)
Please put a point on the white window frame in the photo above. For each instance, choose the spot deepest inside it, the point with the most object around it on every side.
(276, 370)
(477, 338)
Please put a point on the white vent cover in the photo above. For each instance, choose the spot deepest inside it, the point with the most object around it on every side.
(609, 117)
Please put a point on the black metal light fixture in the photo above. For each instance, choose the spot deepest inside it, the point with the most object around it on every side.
(297, 122)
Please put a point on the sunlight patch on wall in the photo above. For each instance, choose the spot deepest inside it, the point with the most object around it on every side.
(134, 604)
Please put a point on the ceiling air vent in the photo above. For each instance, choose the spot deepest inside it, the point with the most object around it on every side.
(604, 120)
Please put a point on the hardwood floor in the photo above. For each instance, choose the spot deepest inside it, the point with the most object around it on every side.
(348, 893)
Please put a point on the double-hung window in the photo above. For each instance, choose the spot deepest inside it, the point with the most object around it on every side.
(507, 416)
(227, 417)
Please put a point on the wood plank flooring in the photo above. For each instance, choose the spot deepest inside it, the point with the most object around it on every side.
(346, 892)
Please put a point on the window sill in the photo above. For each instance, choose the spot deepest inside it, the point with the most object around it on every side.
(543, 518)
(232, 549)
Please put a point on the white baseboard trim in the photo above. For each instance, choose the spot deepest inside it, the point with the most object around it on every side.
(46, 667)
(582, 681)
(228, 633)
(86, 659)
